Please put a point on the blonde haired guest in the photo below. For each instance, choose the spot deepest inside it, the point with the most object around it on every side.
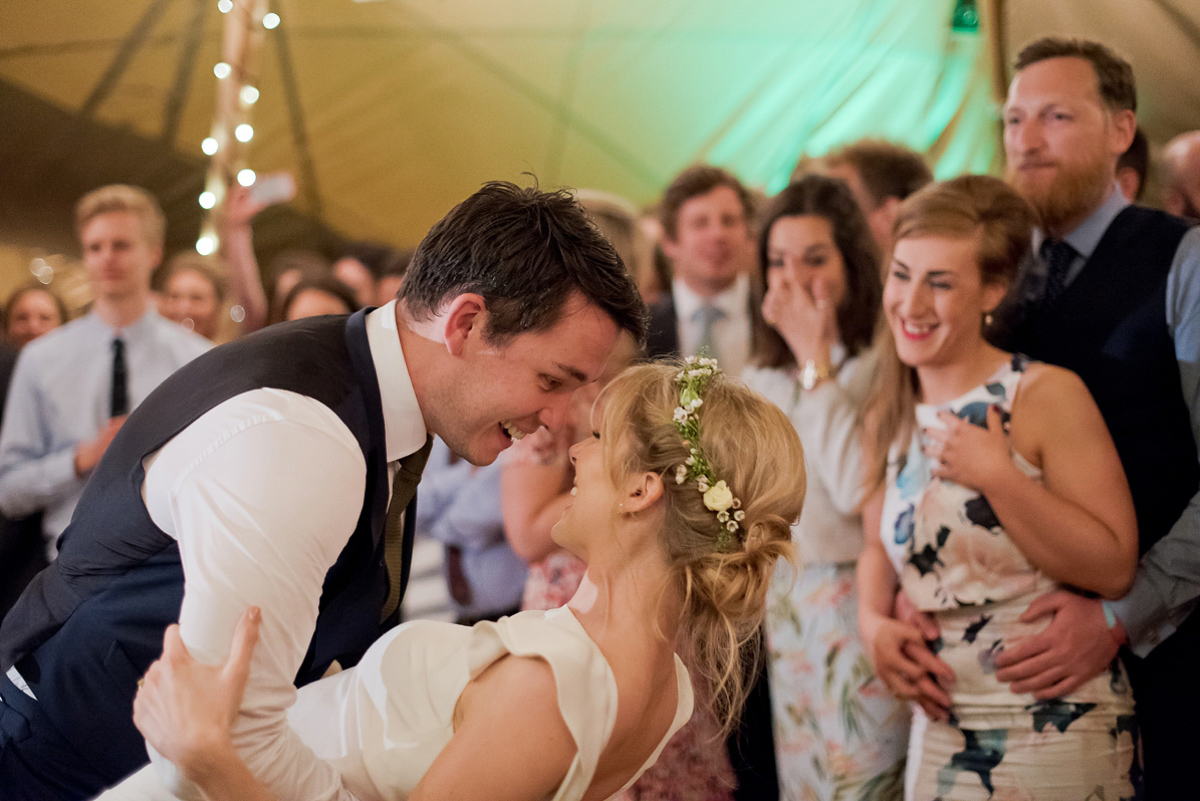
(684, 498)
(72, 388)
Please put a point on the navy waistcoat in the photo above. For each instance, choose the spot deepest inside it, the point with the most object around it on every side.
(90, 625)
(1109, 326)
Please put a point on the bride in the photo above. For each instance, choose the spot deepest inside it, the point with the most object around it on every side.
(684, 499)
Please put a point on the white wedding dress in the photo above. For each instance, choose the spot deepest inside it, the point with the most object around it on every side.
(382, 723)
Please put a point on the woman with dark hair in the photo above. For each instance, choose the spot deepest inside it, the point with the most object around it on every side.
(31, 311)
(997, 481)
(838, 731)
(317, 295)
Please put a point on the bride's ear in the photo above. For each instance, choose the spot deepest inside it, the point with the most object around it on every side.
(642, 491)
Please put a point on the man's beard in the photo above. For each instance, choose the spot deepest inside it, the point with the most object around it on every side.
(1076, 190)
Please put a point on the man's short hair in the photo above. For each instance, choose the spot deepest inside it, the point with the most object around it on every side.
(1114, 76)
(1137, 158)
(525, 251)
(886, 169)
(693, 182)
(122, 197)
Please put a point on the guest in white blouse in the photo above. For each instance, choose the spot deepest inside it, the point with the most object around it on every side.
(838, 733)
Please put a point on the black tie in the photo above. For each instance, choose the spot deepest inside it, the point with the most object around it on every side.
(404, 489)
(1058, 256)
(119, 402)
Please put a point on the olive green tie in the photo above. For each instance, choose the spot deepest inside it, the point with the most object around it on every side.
(404, 488)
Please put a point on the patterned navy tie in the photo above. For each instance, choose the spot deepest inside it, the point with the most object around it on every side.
(1058, 256)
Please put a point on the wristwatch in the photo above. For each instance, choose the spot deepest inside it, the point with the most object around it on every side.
(812, 374)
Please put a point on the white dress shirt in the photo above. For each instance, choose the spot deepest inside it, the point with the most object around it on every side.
(731, 333)
(262, 492)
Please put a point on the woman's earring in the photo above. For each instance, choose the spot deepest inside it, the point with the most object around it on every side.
(987, 319)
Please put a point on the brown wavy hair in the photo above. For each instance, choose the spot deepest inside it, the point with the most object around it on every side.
(969, 206)
(822, 196)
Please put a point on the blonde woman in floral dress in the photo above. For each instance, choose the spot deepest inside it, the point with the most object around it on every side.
(839, 732)
(1000, 483)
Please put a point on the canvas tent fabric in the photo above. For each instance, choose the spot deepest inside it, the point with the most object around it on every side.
(402, 108)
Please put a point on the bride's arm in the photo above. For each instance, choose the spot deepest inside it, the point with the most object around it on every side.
(510, 741)
(186, 711)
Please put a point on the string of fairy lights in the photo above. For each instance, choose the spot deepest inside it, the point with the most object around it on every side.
(236, 97)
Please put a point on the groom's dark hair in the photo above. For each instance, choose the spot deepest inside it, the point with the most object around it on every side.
(525, 251)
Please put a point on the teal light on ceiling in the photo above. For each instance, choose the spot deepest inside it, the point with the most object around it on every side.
(965, 18)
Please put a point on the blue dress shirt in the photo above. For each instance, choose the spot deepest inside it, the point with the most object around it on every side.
(458, 504)
(59, 397)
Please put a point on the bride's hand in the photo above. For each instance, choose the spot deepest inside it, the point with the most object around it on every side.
(186, 709)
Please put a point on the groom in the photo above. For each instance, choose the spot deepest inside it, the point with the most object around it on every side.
(261, 474)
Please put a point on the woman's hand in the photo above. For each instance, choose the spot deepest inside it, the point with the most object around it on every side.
(806, 321)
(967, 454)
(907, 665)
(185, 709)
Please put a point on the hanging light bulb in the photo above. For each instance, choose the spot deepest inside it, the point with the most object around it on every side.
(224, 6)
(244, 132)
(249, 95)
(208, 199)
(209, 146)
(205, 245)
(270, 20)
(246, 177)
(222, 70)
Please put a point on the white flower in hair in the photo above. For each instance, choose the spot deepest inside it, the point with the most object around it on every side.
(719, 497)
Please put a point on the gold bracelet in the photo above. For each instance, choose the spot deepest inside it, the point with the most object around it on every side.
(812, 374)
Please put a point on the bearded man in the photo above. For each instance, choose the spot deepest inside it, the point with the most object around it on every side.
(1113, 293)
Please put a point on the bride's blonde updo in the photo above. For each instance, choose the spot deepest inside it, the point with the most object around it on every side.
(750, 445)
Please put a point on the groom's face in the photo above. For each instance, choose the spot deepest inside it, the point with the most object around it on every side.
(504, 392)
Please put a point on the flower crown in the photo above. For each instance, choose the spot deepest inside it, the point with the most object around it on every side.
(692, 380)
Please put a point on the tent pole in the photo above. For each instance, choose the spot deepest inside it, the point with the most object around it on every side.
(116, 68)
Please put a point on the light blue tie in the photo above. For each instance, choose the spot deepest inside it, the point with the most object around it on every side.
(707, 316)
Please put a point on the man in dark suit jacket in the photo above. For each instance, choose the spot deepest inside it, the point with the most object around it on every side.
(1113, 295)
(260, 474)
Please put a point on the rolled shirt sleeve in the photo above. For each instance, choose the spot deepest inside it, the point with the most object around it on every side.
(262, 493)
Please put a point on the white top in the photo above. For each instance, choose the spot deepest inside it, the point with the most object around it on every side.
(731, 333)
(262, 492)
(826, 418)
(384, 722)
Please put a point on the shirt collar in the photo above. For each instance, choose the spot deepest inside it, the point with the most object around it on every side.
(1086, 236)
(140, 328)
(403, 424)
(732, 301)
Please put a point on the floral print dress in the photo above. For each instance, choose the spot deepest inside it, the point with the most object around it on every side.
(840, 735)
(955, 561)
